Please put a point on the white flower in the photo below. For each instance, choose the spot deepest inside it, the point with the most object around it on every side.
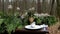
(32, 8)
(46, 14)
(10, 0)
(42, 14)
(36, 15)
(10, 6)
(26, 13)
(18, 8)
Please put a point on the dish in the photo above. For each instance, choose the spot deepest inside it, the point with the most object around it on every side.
(35, 26)
(30, 27)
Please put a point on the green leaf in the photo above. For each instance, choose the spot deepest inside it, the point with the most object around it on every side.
(1, 21)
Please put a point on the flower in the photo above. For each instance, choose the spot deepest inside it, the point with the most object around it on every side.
(10, 6)
(36, 15)
(42, 14)
(32, 8)
(18, 8)
(46, 14)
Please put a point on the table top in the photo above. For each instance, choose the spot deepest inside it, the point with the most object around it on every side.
(26, 30)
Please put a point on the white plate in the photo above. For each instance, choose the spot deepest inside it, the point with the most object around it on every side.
(30, 27)
(36, 26)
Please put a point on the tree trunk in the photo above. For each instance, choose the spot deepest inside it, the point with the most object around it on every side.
(39, 6)
(3, 7)
(43, 6)
(58, 8)
(6, 7)
(0, 4)
(14, 7)
(51, 12)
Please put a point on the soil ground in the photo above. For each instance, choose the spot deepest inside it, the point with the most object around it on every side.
(54, 29)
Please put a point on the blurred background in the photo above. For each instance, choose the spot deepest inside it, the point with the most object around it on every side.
(10, 7)
(20, 7)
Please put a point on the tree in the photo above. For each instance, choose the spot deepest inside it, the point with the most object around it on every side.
(39, 6)
(43, 6)
(51, 12)
(0, 4)
(58, 8)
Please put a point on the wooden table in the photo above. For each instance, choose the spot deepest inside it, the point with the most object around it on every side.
(24, 31)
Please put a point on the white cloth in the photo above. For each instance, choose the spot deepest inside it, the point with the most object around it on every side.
(33, 24)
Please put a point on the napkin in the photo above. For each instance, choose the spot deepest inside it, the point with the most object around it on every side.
(33, 24)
